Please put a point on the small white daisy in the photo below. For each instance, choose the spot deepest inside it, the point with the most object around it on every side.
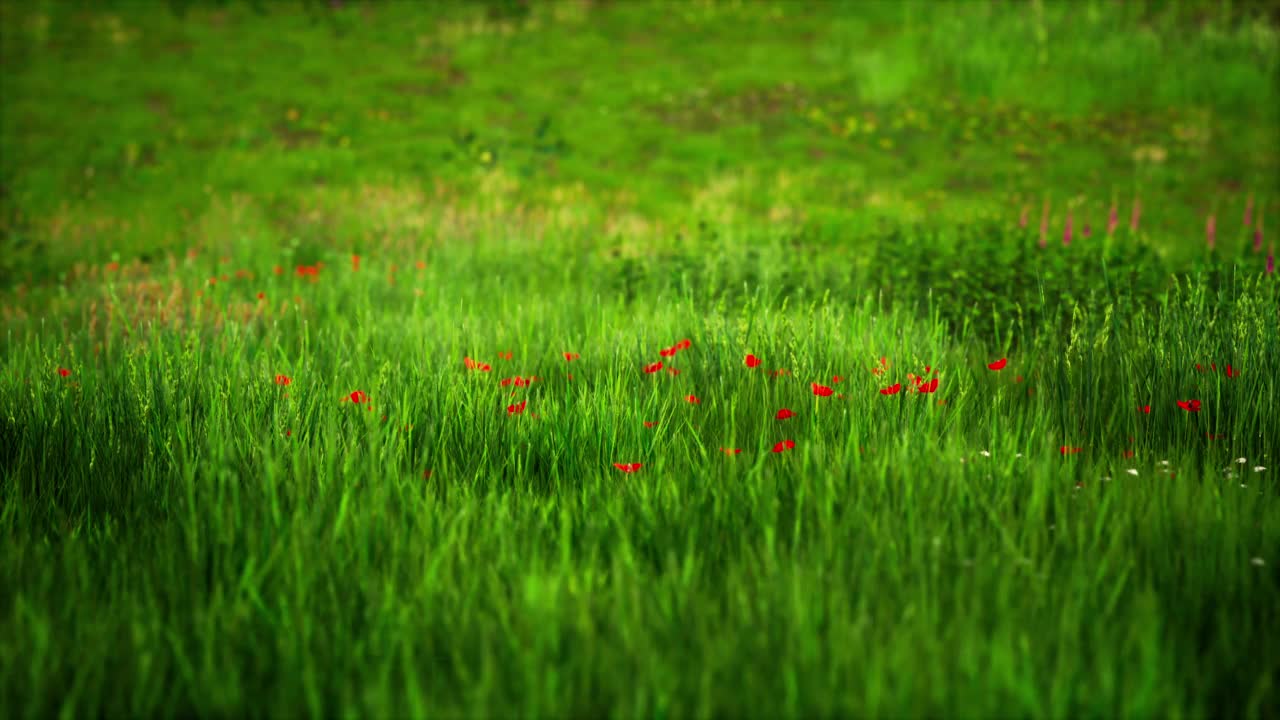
(1018, 455)
(1132, 471)
(1240, 461)
(1257, 562)
(1258, 468)
(984, 453)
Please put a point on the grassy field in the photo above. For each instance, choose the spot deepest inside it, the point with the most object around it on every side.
(629, 359)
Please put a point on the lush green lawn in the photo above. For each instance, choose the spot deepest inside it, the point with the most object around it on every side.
(324, 380)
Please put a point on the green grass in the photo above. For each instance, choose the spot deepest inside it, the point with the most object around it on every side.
(818, 186)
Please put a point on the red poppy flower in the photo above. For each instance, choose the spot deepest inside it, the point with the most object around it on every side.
(653, 367)
(784, 446)
(570, 357)
(284, 380)
(892, 389)
(358, 397)
(649, 424)
(669, 352)
(884, 364)
(784, 414)
(627, 467)
(836, 379)
(1017, 378)
(752, 361)
(288, 433)
(64, 372)
(780, 372)
(426, 474)
(355, 263)
(1145, 409)
(731, 451)
(930, 386)
(999, 364)
(1189, 405)
(262, 296)
(475, 365)
(1067, 450)
(1128, 453)
(504, 356)
(517, 408)
(693, 399)
(673, 371)
(1232, 373)
(821, 390)
(684, 344)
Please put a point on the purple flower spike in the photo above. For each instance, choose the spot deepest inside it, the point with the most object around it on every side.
(1086, 231)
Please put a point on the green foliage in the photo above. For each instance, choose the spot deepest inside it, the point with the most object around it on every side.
(832, 188)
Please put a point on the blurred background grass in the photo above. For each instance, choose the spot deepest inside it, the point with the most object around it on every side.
(138, 128)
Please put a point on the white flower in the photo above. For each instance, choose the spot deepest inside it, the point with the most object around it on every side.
(1240, 461)
(1257, 562)
(984, 453)
(1132, 471)
(1164, 462)
(1106, 478)
(1258, 468)
(1018, 455)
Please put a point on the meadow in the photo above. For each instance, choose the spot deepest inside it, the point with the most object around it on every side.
(639, 359)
